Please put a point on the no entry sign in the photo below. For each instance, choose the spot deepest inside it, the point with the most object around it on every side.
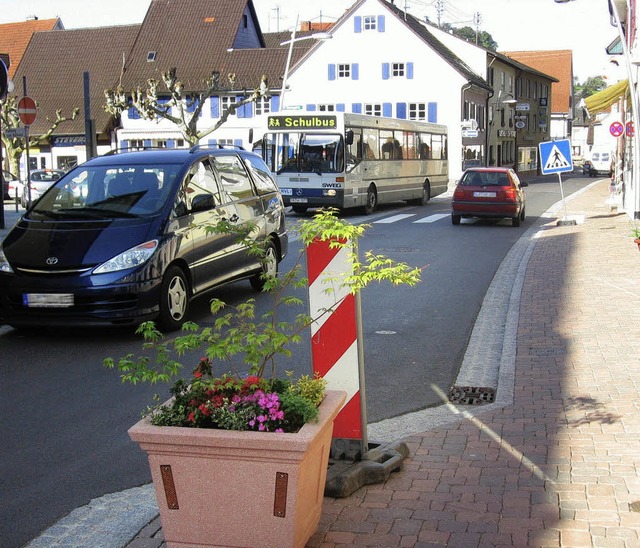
(27, 110)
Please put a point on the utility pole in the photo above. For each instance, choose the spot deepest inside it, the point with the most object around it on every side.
(440, 11)
(477, 19)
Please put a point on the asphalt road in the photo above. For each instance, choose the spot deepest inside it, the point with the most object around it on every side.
(65, 417)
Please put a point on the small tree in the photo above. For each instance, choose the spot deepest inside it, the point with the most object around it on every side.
(16, 146)
(182, 110)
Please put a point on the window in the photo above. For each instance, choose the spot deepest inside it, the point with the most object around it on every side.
(234, 177)
(200, 179)
(369, 22)
(344, 71)
(326, 108)
(397, 70)
(261, 176)
(373, 109)
(417, 111)
(136, 143)
(227, 101)
(263, 105)
(370, 147)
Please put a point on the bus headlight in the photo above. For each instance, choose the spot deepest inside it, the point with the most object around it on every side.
(329, 192)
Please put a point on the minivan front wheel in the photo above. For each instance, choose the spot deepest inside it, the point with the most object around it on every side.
(269, 267)
(174, 299)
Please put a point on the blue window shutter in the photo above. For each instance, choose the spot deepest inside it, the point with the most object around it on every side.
(171, 143)
(386, 71)
(212, 142)
(275, 103)
(248, 110)
(380, 23)
(310, 108)
(355, 71)
(410, 71)
(401, 110)
(133, 114)
(356, 108)
(432, 113)
(357, 24)
(215, 106)
(240, 112)
(387, 110)
(147, 142)
(124, 145)
(332, 71)
(237, 142)
(340, 107)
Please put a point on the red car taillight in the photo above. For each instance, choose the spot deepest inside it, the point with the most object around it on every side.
(510, 194)
(458, 193)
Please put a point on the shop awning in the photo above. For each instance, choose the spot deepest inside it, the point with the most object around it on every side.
(601, 101)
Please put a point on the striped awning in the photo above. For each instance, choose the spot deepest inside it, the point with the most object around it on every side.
(601, 101)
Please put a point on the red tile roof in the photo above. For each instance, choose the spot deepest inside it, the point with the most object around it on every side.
(14, 38)
(557, 63)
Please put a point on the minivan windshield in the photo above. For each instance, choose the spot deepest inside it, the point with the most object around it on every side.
(109, 191)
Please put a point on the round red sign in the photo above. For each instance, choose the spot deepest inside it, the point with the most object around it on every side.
(616, 129)
(27, 110)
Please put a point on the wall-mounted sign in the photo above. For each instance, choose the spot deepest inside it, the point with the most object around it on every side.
(506, 133)
(522, 106)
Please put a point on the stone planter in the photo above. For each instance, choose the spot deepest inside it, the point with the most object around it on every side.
(229, 488)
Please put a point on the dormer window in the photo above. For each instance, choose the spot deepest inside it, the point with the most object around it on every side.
(151, 57)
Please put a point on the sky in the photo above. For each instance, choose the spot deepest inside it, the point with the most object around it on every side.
(581, 25)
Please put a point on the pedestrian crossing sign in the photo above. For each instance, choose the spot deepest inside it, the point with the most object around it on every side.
(555, 156)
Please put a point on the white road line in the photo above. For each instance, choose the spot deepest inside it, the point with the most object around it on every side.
(432, 218)
(395, 218)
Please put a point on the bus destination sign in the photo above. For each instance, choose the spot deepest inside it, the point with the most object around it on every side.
(303, 121)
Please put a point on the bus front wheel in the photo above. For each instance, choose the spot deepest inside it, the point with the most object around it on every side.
(372, 201)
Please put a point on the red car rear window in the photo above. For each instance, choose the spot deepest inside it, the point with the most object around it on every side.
(485, 178)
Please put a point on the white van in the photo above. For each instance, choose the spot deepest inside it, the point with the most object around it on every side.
(601, 161)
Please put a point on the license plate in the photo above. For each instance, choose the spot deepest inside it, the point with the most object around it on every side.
(298, 200)
(48, 300)
(286, 191)
(484, 194)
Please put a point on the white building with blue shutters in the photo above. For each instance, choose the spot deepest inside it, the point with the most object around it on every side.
(379, 61)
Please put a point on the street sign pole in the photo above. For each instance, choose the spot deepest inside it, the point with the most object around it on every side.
(26, 144)
(555, 157)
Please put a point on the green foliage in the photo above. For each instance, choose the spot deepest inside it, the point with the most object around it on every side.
(592, 85)
(244, 345)
(481, 38)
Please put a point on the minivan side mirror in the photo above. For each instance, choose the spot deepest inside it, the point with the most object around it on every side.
(202, 202)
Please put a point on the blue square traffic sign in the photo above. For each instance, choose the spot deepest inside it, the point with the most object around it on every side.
(555, 156)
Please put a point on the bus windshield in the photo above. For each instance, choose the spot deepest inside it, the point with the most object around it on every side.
(307, 153)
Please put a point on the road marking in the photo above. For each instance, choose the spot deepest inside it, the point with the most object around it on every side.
(395, 218)
(432, 218)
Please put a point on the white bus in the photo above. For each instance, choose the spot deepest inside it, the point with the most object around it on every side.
(348, 160)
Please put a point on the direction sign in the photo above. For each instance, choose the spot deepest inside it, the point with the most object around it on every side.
(27, 110)
(14, 132)
(555, 156)
(616, 129)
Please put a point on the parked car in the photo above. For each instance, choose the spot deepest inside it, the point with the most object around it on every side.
(136, 246)
(39, 181)
(601, 162)
(11, 185)
(491, 192)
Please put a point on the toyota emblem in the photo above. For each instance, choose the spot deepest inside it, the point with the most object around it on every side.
(52, 260)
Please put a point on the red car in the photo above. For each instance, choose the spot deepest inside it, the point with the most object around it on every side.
(490, 192)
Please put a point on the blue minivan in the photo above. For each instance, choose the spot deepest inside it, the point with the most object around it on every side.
(126, 237)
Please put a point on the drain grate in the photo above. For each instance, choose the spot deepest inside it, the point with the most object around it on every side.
(472, 395)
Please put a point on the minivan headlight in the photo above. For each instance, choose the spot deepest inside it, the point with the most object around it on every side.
(128, 259)
(4, 264)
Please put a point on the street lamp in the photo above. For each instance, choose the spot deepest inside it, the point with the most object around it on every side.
(293, 40)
